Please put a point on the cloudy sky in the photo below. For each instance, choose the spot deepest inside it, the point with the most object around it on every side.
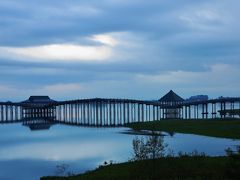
(119, 48)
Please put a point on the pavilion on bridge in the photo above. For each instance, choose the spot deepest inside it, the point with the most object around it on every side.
(171, 101)
(37, 106)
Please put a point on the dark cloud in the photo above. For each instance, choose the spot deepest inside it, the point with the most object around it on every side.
(162, 36)
(45, 22)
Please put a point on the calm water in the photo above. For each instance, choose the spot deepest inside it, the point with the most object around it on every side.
(28, 155)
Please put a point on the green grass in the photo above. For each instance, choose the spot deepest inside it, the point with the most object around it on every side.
(225, 128)
(164, 168)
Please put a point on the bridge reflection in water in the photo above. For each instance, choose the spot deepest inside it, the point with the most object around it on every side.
(41, 112)
(38, 123)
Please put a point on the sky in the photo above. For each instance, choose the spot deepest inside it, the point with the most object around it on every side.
(134, 49)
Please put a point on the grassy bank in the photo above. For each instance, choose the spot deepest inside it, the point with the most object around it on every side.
(165, 168)
(229, 128)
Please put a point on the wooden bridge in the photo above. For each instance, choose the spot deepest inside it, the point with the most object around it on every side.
(117, 112)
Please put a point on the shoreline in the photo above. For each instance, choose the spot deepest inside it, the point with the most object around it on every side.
(221, 128)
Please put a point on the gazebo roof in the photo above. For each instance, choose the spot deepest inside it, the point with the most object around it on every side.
(38, 100)
(171, 97)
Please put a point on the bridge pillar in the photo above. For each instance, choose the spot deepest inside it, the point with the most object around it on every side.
(154, 113)
(232, 108)
(213, 110)
(128, 113)
(197, 111)
(6, 109)
(88, 113)
(206, 110)
(135, 112)
(1, 112)
(114, 113)
(143, 120)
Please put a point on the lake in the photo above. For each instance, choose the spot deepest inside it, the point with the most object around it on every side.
(29, 154)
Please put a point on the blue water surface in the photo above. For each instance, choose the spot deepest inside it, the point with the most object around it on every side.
(28, 155)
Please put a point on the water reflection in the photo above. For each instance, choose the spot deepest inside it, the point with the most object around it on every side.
(171, 134)
(34, 124)
(33, 154)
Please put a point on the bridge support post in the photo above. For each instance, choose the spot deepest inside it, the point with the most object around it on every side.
(6, 109)
(1, 110)
(114, 113)
(197, 111)
(203, 111)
